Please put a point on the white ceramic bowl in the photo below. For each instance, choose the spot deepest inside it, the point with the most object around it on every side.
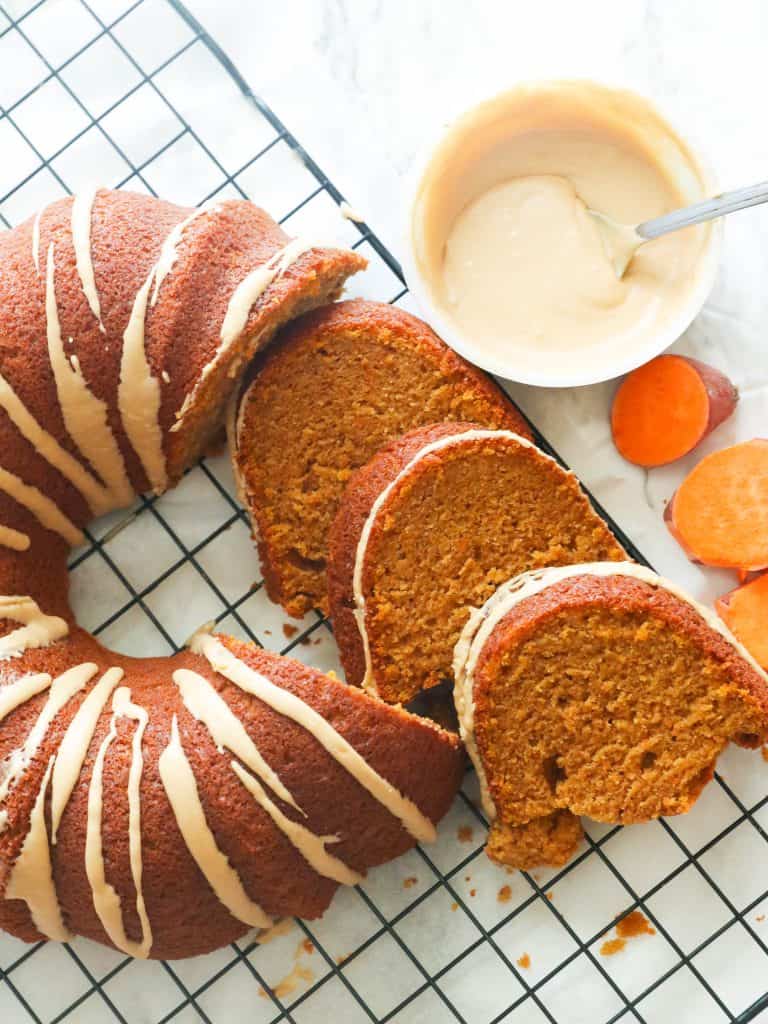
(694, 182)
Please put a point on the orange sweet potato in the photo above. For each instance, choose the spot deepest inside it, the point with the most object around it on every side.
(663, 409)
(719, 514)
(745, 612)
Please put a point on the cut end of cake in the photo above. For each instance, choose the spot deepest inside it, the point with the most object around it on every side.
(549, 841)
(428, 529)
(317, 277)
(335, 387)
(599, 690)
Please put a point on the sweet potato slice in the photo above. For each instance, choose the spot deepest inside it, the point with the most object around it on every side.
(719, 514)
(664, 409)
(745, 612)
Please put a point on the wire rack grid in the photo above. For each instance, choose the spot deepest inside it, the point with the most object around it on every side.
(441, 934)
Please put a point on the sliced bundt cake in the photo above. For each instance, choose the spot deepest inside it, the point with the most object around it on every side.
(335, 387)
(598, 690)
(428, 529)
(165, 806)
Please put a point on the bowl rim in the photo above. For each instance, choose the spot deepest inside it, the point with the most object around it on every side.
(457, 339)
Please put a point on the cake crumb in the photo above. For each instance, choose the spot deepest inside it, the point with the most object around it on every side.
(287, 985)
(634, 924)
(305, 641)
(454, 907)
(340, 959)
(467, 878)
(408, 883)
(268, 632)
(465, 833)
(524, 961)
(473, 892)
(289, 630)
(549, 895)
(760, 918)
(504, 894)
(612, 946)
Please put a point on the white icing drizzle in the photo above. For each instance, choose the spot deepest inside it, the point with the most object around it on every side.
(106, 900)
(20, 691)
(31, 878)
(38, 629)
(483, 621)
(288, 704)
(253, 286)
(169, 252)
(14, 539)
(203, 701)
(36, 240)
(62, 689)
(245, 295)
(180, 787)
(234, 425)
(452, 440)
(85, 415)
(350, 213)
(47, 512)
(74, 745)
(139, 394)
(209, 707)
(312, 847)
(48, 447)
(82, 210)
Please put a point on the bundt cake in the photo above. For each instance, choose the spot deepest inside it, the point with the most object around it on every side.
(335, 387)
(428, 529)
(166, 805)
(599, 690)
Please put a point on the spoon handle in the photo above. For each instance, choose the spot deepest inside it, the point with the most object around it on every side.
(708, 209)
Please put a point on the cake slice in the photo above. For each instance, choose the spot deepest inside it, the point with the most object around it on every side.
(599, 690)
(428, 530)
(334, 387)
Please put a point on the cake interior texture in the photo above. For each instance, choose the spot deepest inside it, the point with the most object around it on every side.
(333, 389)
(462, 522)
(615, 708)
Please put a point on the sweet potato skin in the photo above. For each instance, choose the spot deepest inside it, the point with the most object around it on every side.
(722, 392)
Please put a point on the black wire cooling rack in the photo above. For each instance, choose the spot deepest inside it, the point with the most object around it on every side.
(139, 95)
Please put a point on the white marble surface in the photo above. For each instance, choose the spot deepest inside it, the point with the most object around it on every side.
(364, 83)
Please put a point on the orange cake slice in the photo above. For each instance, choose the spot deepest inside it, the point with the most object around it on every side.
(428, 529)
(600, 690)
(335, 387)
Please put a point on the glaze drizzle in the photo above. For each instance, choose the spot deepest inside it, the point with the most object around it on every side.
(181, 790)
(106, 900)
(82, 212)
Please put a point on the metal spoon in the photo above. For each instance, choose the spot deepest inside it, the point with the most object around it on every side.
(621, 241)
